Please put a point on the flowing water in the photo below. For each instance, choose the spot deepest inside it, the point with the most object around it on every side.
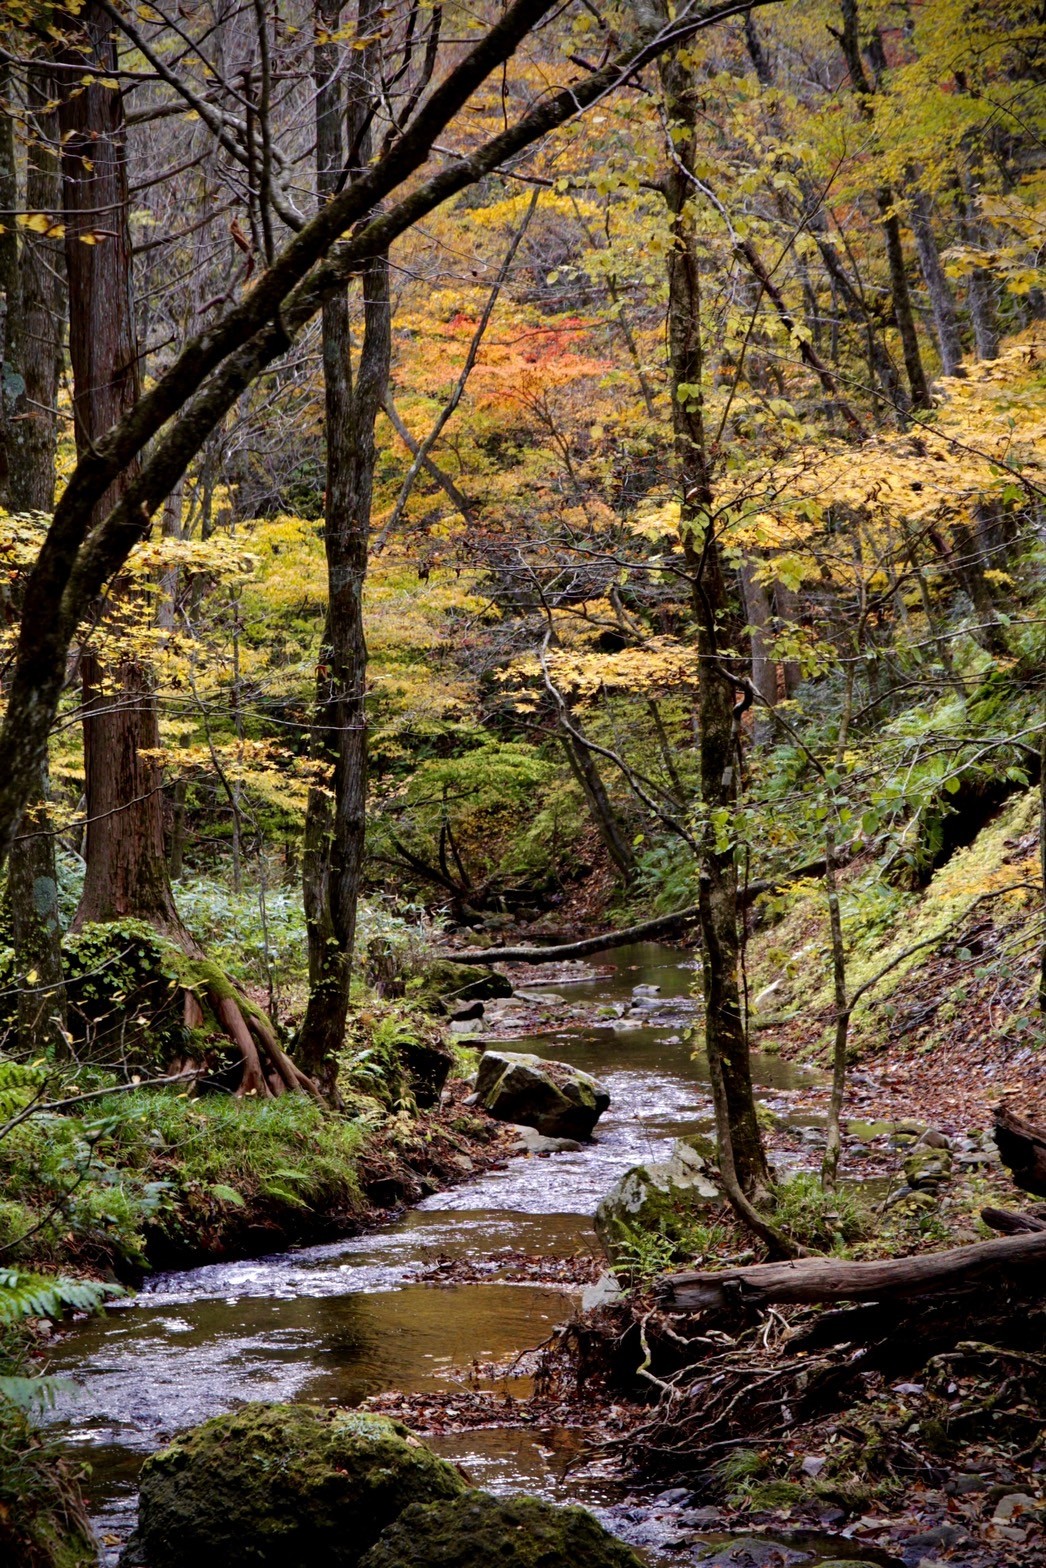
(350, 1319)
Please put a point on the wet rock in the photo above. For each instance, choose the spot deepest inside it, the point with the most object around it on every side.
(754, 1551)
(464, 1012)
(477, 1530)
(604, 1292)
(558, 1100)
(932, 1139)
(445, 985)
(661, 1199)
(282, 1486)
(536, 1143)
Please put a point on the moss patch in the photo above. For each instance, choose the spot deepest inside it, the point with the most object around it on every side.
(286, 1485)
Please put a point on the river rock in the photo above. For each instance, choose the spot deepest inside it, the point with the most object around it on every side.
(477, 1531)
(662, 1199)
(927, 1169)
(536, 1143)
(445, 985)
(559, 1100)
(281, 1486)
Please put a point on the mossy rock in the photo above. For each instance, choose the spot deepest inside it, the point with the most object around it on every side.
(659, 1199)
(926, 1169)
(479, 1531)
(559, 1100)
(289, 1486)
(444, 985)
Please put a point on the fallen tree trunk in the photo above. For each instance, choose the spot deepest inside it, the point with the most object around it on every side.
(1022, 1146)
(661, 925)
(811, 1281)
(664, 925)
(1011, 1223)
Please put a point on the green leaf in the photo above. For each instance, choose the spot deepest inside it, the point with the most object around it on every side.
(226, 1194)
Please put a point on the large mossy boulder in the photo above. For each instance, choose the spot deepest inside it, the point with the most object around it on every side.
(445, 986)
(480, 1531)
(664, 1199)
(288, 1486)
(559, 1100)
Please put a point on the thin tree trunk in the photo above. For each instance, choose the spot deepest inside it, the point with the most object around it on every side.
(742, 1156)
(942, 303)
(764, 669)
(332, 863)
(904, 315)
(830, 1163)
(980, 297)
(586, 771)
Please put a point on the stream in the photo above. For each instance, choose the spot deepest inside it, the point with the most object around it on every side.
(349, 1319)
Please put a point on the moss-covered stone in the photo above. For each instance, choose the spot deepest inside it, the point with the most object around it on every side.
(663, 1199)
(480, 1531)
(559, 1100)
(926, 1169)
(290, 1486)
(444, 985)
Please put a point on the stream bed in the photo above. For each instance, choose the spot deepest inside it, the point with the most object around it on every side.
(350, 1319)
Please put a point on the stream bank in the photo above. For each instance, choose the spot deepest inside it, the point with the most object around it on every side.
(436, 1315)
(355, 1318)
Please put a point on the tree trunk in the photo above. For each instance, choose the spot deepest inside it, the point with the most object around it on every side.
(764, 669)
(585, 769)
(742, 1157)
(1022, 1148)
(126, 870)
(904, 315)
(942, 303)
(32, 332)
(336, 824)
(980, 297)
(815, 1280)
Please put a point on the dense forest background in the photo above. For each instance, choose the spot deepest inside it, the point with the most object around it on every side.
(545, 468)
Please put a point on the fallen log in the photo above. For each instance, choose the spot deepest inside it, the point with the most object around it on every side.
(1022, 1147)
(645, 931)
(811, 1281)
(1011, 1223)
(664, 925)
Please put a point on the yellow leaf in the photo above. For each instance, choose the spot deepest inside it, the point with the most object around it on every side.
(32, 977)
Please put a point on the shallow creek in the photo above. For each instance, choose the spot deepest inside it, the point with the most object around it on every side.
(349, 1319)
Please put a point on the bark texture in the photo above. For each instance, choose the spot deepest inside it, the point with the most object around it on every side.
(335, 830)
(742, 1156)
(815, 1280)
(32, 331)
(126, 867)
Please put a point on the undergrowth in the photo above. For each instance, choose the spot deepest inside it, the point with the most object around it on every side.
(94, 1189)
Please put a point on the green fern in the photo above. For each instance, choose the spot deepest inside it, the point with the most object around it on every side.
(18, 1086)
(25, 1296)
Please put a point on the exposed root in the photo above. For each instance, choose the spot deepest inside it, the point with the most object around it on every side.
(267, 1069)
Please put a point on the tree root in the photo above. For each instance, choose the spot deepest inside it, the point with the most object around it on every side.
(268, 1071)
